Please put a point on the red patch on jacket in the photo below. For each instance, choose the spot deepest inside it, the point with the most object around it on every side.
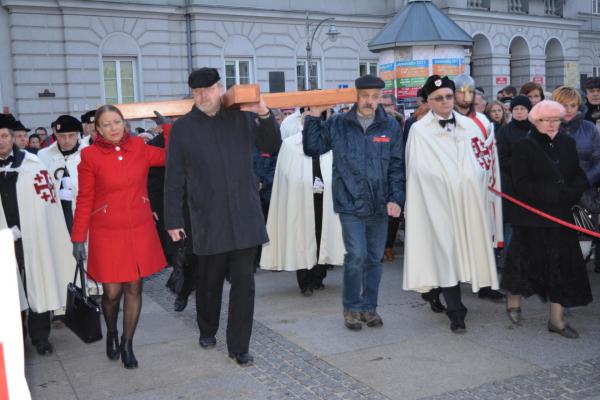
(381, 139)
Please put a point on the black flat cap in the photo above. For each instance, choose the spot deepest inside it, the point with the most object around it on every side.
(203, 77)
(435, 82)
(7, 121)
(88, 117)
(66, 123)
(369, 82)
(592, 83)
(18, 126)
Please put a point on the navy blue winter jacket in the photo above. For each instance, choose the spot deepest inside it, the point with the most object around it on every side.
(587, 140)
(368, 167)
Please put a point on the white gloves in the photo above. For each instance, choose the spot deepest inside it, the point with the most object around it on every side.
(66, 191)
(16, 233)
(318, 185)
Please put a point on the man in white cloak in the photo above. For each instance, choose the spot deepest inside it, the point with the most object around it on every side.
(304, 230)
(451, 222)
(464, 103)
(30, 208)
(62, 158)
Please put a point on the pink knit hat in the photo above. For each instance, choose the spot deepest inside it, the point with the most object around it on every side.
(546, 109)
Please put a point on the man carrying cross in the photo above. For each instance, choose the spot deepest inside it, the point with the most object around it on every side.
(209, 158)
(368, 185)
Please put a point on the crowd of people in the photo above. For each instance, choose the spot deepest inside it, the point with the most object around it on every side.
(222, 192)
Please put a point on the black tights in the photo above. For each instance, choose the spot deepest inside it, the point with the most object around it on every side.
(132, 305)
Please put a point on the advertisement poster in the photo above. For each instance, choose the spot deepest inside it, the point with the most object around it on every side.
(388, 74)
(410, 77)
(448, 66)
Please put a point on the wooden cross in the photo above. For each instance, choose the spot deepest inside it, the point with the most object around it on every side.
(242, 94)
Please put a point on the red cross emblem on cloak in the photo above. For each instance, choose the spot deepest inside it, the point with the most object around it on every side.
(44, 187)
(482, 153)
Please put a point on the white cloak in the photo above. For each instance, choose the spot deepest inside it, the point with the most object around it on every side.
(53, 160)
(451, 221)
(291, 220)
(11, 332)
(49, 265)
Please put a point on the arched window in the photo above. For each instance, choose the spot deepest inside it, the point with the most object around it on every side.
(120, 57)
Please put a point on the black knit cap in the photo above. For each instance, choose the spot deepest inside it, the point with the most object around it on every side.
(66, 123)
(88, 117)
(435, 82)
(593, 83)
(369, 82)
(521, 100)
(203, 77)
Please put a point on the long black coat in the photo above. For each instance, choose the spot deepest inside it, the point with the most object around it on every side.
(508, 135)
(212, 158)
(546, 175)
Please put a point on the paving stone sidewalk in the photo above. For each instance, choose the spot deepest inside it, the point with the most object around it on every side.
(302, 351)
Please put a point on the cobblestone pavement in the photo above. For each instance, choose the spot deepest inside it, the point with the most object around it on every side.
(290, 372)
(287, 370)
(578, 381)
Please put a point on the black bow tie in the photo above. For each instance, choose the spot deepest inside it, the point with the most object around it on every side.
(444, 122)
(9, 160)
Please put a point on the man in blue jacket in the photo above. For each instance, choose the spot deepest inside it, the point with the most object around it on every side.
(368, 186)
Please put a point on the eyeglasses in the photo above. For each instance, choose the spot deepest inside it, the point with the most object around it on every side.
(550, 121)
(439, 99)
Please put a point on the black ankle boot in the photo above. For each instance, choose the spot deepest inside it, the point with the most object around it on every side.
(457, 320)
(127, 356)
(112, 345)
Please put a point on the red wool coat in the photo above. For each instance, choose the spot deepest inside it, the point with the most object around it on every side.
(113, 205)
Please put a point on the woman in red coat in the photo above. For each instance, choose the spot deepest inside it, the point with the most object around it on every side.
(113, 207)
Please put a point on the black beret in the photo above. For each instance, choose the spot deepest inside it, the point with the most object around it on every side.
(203, 77)
(7, 121)
(592, 83)
(88, 117)
(435, 82)
(66, 123)
(369, 82)
(18, 126)
(520, 100)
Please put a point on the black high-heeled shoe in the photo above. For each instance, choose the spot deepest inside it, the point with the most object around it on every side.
(112, 345)
(127, 356)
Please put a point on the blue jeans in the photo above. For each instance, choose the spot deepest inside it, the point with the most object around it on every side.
(364, 239)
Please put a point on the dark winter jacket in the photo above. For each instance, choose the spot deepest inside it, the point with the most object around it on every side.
(264, 168)
(211, 157)
(506, 137)
(591, 112)
(368, 167)
(546, 175)
(587, 139)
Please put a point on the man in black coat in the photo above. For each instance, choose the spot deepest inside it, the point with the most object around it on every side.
(210, 154)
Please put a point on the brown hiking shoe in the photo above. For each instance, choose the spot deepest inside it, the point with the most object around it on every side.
(352, 320)
(371, 318)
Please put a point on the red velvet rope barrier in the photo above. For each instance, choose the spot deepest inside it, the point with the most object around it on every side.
(544, 215)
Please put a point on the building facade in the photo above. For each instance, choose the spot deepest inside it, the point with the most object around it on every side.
(69, 56)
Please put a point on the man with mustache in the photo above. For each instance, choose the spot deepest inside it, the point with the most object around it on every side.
(368, 185)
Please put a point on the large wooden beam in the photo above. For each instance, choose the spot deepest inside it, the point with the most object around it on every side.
(242, 94)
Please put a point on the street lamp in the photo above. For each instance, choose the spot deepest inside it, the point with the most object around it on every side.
(332, 33)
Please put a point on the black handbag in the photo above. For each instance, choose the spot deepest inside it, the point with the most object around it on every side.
(83, 313)
(583, 218)
(590, 200)
(177, 278)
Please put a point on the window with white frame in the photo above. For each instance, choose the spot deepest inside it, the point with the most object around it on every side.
(595, 71)
(595, 6)
(119, 80)
(367, 68)
(237, 72)
(308, 81)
